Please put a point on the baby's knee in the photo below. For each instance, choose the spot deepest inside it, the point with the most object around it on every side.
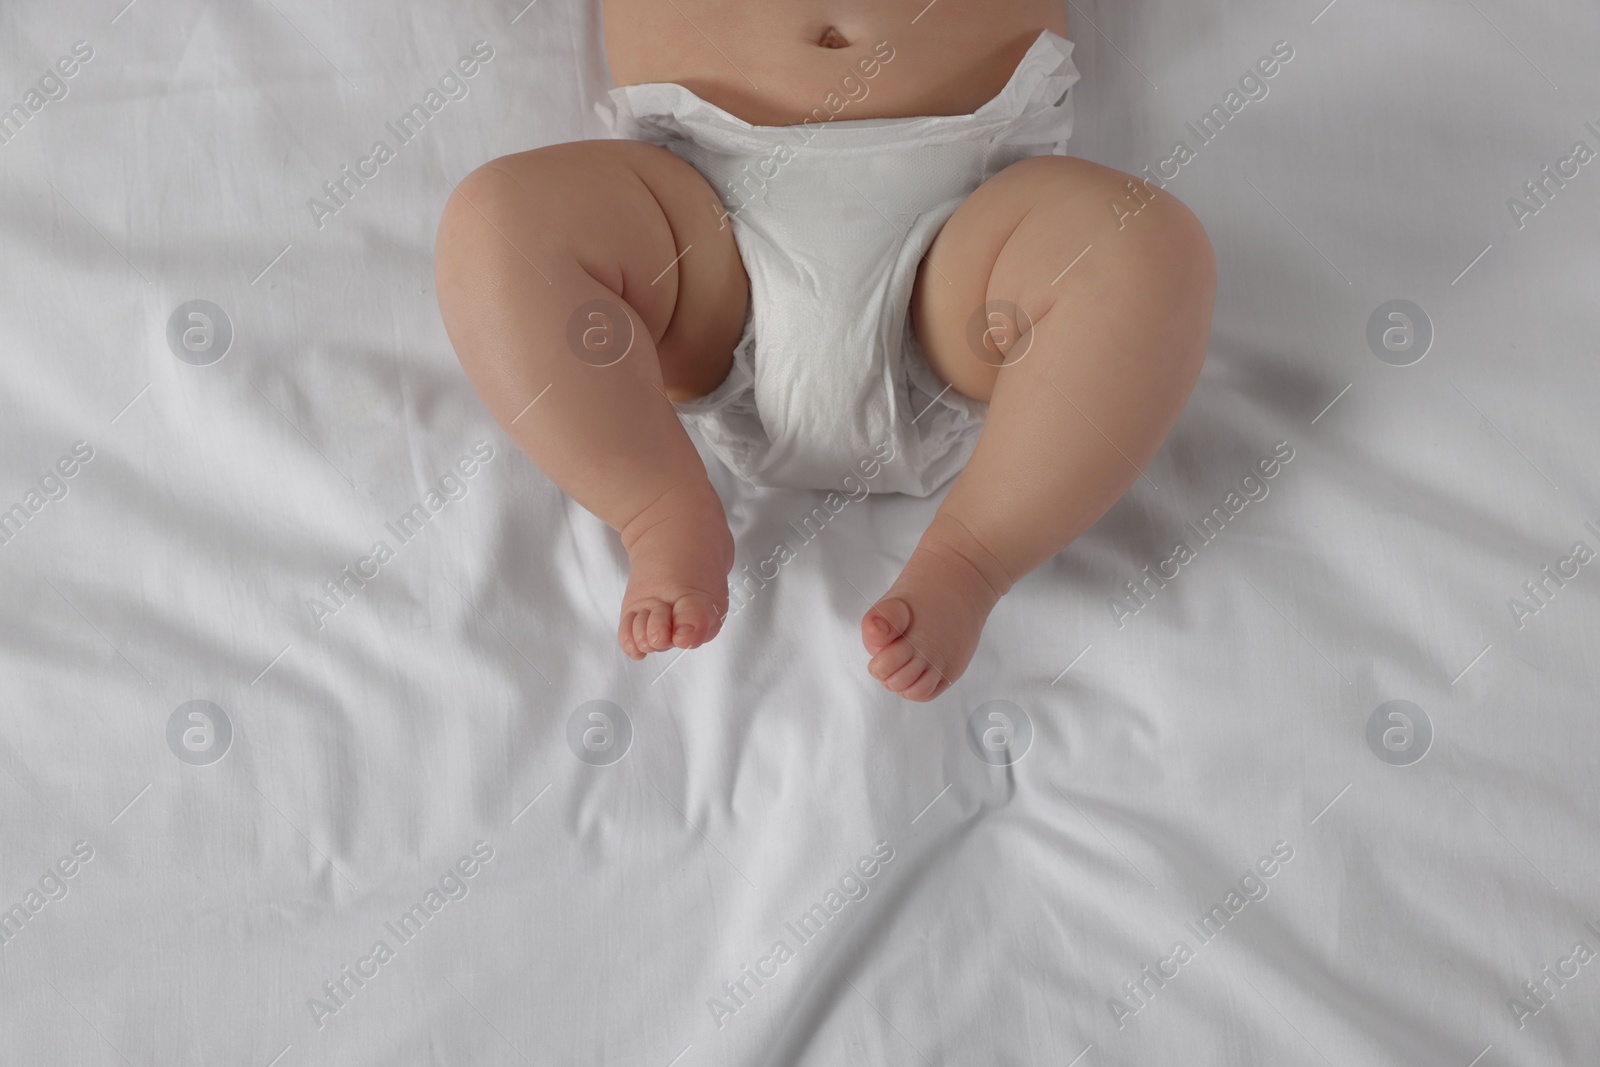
(1149, 224)
(549, 196)
(1179, 236)
(1143, 229)
(571, 166)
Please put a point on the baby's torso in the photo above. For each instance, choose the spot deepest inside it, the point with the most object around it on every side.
(772, 62)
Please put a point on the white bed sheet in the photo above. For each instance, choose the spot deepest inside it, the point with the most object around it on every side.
(375, 747)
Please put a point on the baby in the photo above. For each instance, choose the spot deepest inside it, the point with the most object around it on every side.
(843, 241)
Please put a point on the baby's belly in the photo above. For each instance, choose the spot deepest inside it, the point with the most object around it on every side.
(775, 62)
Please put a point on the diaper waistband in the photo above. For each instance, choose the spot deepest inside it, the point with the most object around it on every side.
(1034, 108)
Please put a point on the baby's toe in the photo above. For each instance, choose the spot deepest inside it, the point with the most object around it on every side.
(625, 637)
(693, 619)
(641, 629)
(658, 628)
(891, 659)
(883, 622)
(925, 688)
(907, 676)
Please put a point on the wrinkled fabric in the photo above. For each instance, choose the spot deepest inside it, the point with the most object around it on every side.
(1173, 738)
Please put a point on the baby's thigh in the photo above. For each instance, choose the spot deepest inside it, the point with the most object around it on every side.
(548, 223)
(1007, 254)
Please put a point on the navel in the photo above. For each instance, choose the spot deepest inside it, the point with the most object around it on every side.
(832, 38)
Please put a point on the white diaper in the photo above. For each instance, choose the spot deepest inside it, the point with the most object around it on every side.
(831, 219)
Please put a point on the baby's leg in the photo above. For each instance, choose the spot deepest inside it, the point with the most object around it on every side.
(1076, 410)
(547, 263)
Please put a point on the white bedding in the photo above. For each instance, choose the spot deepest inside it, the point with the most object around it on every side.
(421, 731)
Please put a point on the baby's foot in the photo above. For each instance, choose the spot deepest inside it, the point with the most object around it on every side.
(680, 551)
(922, 634)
